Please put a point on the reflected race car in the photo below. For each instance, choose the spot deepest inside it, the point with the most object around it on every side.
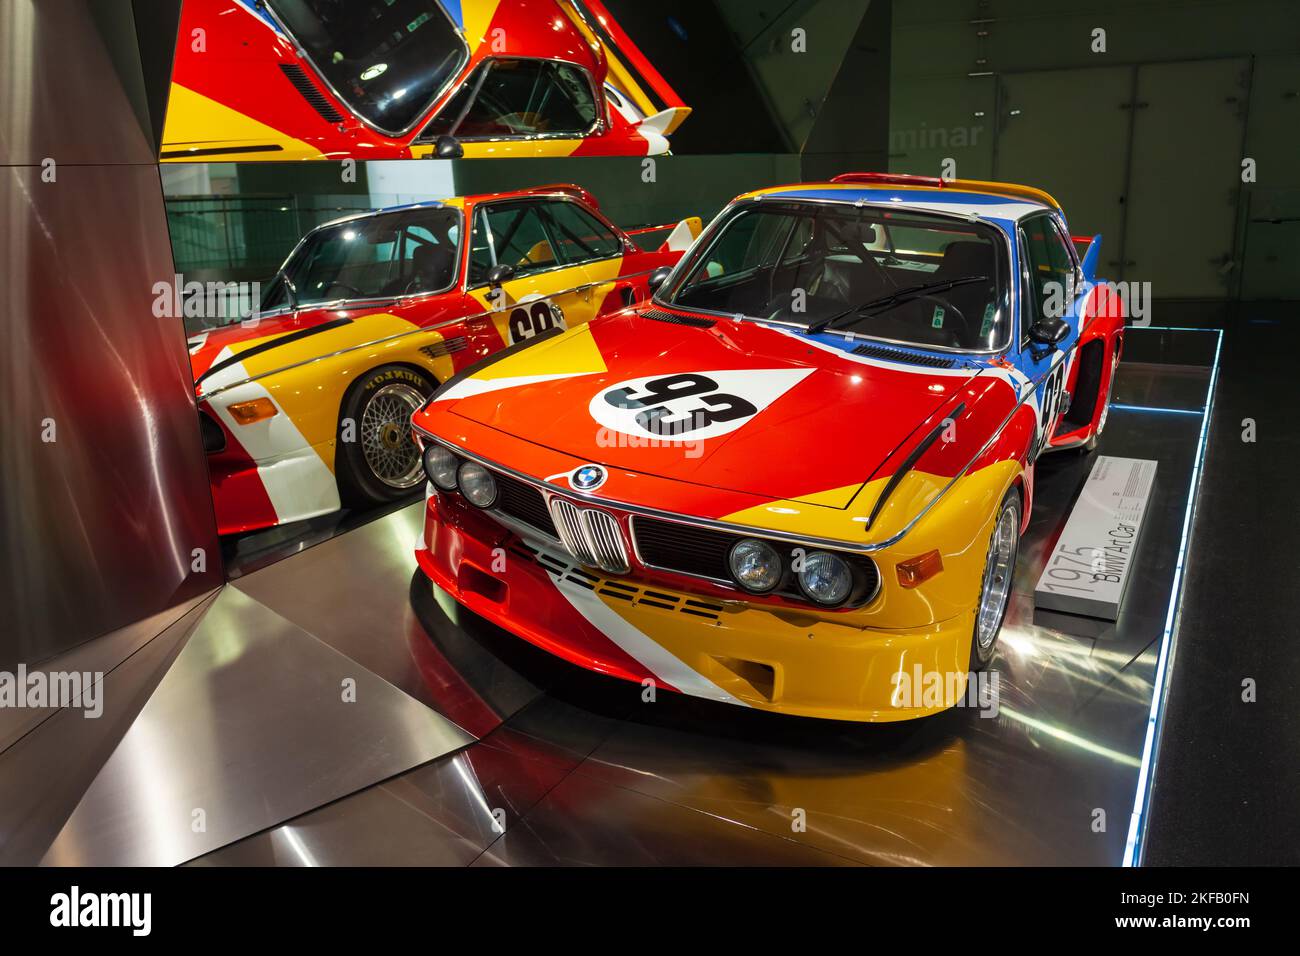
(392, 79)
(308, 405)
(800, 473)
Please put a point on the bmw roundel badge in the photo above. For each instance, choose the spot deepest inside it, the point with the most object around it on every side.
(588, 477)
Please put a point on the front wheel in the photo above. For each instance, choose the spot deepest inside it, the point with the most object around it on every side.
(995, 587)
(377, 461)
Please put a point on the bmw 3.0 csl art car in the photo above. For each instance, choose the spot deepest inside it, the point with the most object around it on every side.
(802, 470)
(392, 79)
(308, 405)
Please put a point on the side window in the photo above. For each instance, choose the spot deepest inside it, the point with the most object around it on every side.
(515, 234)
(1051, 270)
(506, 98)
(750, 240)
(580, 236)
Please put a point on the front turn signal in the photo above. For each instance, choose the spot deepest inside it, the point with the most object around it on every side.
(916, 571)
(259, 409)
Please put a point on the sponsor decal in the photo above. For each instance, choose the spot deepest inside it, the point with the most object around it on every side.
(691, 406)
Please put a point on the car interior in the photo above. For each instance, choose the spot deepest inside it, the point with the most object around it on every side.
(817, 265)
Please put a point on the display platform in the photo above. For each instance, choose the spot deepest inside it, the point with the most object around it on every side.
(534, 761)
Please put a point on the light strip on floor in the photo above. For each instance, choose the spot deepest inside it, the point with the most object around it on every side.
(1155, 408)
(1137, 822)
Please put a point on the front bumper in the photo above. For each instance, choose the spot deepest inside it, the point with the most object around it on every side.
(784, 660)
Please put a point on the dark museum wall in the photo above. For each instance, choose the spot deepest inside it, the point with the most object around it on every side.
(1140, 131)
(105, 492)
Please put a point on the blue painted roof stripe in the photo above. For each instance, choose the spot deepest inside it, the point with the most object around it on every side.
(454, 11)
(944, 196)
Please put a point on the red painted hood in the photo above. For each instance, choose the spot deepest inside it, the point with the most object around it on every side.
(739, 406)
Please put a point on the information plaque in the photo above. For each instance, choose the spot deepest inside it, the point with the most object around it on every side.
(1089, 569)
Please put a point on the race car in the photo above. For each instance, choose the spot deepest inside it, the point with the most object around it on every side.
(394, 79)
(796, 479)
(306, 406)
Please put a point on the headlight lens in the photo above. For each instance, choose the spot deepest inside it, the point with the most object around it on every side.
(440, 465)
(825, 578)
(755, 565)
(477, 484)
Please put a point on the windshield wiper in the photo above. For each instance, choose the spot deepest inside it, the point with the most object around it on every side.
(894, 298)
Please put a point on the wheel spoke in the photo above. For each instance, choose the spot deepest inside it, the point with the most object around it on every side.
(385, 434)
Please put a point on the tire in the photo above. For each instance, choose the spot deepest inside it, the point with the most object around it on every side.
(996, 581)
(377, 462)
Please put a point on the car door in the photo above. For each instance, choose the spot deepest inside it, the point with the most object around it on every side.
(617, 271)
(547, 288)
(1047, 279)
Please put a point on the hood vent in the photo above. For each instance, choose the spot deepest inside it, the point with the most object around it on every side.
(314, 97)
(659, 315)
(899, 355)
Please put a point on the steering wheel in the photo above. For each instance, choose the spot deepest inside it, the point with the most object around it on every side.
(947, 308)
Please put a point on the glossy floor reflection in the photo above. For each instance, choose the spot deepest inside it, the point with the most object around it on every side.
(572, 768)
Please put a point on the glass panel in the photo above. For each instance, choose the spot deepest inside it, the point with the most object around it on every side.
(515, 234)
(895, 276)
(507, 98)
(580, 236)
(387, 59)
(1051, 269)
(400, 253)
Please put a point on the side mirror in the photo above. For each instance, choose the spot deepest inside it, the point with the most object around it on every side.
(1049, 331)
(448, 147)
(499, 274)
(658, 278)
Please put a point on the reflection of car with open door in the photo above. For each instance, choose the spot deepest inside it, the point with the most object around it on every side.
(391, 79)
(799, 475)
(307, 406)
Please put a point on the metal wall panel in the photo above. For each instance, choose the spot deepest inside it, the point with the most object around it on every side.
(99, 525)
(71, 86)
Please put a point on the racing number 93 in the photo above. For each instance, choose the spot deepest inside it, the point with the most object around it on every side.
(656, 418)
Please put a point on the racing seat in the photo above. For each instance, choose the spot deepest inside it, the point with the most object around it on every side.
(968, 258)
(432, 268)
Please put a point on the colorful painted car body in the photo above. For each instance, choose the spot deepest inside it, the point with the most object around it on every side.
(308, 404)
(733, 494)
(392, 79)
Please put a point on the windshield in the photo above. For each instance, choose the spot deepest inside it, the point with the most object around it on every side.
(895, 275)
(399, 253)
(387, 59)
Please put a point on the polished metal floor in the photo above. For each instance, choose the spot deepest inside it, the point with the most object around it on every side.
(473, 747)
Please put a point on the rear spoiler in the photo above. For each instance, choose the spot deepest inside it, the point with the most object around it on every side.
(630, 72)
(679, 240)
(1011, 190)
(1091, 254)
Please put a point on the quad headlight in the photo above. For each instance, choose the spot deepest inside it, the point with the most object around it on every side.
(755, 565)
(477, 484)
(825, 578)
(440, 465)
